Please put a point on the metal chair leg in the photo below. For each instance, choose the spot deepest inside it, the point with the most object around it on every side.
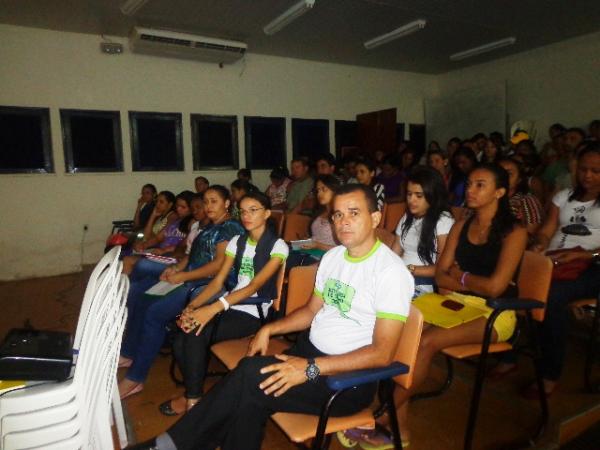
(480, 376)
(591, 352)
(319, 439)
(391, 410)
(443, 388)
(537, 363)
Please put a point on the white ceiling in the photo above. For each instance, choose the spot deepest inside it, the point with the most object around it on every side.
(334, 30)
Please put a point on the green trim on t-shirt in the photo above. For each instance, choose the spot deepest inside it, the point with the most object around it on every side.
(318, 293)
(278, 255)
(351, 259)
(392, 316)
(251, 242)
(232, 255)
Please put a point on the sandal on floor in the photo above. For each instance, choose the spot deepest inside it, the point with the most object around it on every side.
(134, 390)
(379, 441)
(167, 409)
(350, 438)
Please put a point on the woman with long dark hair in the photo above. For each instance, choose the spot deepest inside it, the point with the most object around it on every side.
(571, 235)
(480, 259)
(422, 231)
(365, 174)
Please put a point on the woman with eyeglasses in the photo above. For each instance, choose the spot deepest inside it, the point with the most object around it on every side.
(255, 259)
(148, 315)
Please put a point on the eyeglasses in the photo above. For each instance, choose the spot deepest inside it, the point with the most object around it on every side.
(250, 212)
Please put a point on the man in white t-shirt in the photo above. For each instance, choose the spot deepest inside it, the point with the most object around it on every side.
(360, 303)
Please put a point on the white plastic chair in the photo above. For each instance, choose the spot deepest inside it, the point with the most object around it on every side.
(80, 406)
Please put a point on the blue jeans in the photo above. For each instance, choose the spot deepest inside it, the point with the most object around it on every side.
(146, 268)
(148, 317)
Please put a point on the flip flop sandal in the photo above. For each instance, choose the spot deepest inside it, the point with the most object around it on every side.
(166, 409)
(380, 441)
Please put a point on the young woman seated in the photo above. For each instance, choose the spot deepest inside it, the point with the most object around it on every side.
(423, 230)
(571, 235)
(146, 267)
(148, 315)
(162, 215)
(169, 237)
(481, 258)
(255, 260)
(365, 174)
(321, 227)
(462, 162)
(145, 205)
(524, 205)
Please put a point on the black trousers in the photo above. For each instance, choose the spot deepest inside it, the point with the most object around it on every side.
(233, 414)
(192, 352)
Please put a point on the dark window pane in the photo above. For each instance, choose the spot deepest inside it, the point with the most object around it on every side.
(214, 141)
(156, 141)
(25, 140)
(92, 140)
(345, 135)
(310, 137)
(400, 133)
(265, 142)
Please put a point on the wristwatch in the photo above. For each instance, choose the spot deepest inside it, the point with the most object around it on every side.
(312, 370)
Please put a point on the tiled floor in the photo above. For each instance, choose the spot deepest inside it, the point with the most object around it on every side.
(504, 422)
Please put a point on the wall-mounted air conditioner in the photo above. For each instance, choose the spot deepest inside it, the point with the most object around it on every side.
(184, 45)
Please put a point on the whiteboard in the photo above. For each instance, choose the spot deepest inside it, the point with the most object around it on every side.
(465, 113)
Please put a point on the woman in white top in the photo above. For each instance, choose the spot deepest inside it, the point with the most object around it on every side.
(422, 231)
(573, 227)
(321, 228)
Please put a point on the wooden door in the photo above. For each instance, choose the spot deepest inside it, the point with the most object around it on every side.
(377, 131)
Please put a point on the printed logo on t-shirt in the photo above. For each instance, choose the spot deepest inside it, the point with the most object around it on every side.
(247, 267)
(340, 295)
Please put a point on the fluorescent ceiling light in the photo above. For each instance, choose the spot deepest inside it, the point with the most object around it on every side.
(130, 7)
(395, 34)
(288, 16)
(483, 48)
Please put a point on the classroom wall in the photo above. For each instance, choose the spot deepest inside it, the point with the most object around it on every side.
(556, 83)
(41, 227)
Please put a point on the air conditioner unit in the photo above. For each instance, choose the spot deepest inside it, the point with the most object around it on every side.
(183, 45)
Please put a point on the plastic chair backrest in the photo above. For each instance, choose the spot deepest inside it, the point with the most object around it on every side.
(408, 346)
(301, 283)
(385, 236)
(279, 286)
(534, 280)
(108, 261)
(393, 214)
(296, 227)
(279, 220)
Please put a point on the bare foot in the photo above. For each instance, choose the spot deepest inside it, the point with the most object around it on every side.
(128, 388)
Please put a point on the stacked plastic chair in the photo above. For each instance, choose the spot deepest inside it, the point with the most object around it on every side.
(77, 413)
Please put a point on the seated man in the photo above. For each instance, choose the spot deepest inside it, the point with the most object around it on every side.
(360, 303)
(299, 195)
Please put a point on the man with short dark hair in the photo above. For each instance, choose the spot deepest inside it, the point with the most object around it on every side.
(361, 300)
(201, 184)
(299, 195)
(326, 165)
